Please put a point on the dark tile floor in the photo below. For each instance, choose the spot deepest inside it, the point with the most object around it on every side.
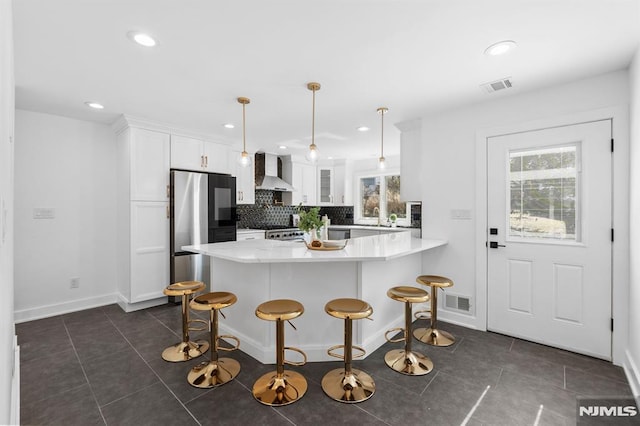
(103, 366)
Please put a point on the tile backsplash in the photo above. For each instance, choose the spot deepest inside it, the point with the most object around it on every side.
(268, 211)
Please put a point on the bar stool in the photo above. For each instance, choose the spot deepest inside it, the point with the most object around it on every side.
(186, 349)
(281, 387)
(217, 371)
(348, 384)
(431, 335)
(406, 361)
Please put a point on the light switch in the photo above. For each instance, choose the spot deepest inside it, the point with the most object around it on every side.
(44, 213)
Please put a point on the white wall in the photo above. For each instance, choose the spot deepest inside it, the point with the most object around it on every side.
(632, 363)
(67, 165)
(449, 154)
(9, 377)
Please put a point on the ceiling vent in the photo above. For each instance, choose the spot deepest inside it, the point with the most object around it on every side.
(494, 86)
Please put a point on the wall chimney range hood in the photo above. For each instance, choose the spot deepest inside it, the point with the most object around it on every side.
(267, 174)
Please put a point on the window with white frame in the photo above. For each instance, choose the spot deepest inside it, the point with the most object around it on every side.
(378, 196)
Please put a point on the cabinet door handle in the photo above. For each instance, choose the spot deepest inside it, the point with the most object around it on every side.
(206, 161)
(168, 213)
(168, 191)
(202, 161)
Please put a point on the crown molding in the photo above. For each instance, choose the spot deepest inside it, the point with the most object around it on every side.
(126, 121)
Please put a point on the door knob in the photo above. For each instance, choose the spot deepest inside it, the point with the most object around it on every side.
(494, 244)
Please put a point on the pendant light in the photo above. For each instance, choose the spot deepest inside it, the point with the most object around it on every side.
(245, 158)
(313, 154)
(382, 111)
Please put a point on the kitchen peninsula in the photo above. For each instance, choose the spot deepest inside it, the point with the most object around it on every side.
(261, 270)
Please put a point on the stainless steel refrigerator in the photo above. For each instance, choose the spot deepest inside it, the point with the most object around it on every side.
(203, 210)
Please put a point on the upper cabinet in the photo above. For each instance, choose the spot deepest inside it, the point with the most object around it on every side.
(148, 160)
(303, 177)
(198, 155)
(245, 179)
(326, 192)
(342, 182)
(335, 183)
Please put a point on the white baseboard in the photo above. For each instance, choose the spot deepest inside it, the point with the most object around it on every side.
(14, 415)
(136, 306)
(267, 355)
(47, 311)
(633, 375)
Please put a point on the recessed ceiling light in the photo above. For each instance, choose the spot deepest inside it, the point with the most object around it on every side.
(142, 39)
(228, 126)
(282, 147)
(500, 48)
(329, 158)
(363, 129)
(94, 105)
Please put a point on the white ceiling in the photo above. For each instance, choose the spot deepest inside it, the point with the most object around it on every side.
(413, 56)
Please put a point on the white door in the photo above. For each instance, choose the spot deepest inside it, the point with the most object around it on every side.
(549, 236)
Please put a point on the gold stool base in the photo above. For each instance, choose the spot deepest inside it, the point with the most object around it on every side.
(411, 364)
(356, 387)
(211, 374)
(273, 390)
(184, 351)
(434, 337)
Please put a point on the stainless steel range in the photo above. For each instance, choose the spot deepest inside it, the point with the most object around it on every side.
(283, 233)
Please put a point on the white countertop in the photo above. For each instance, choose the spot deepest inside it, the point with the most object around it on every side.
(377, 247)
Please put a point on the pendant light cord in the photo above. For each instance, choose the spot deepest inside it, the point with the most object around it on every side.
(313, 118)
(382, 134)
(244, 143)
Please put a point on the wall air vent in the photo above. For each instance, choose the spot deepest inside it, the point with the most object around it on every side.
(457, 303)
(494, 86)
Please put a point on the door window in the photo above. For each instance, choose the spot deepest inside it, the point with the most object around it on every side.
(544, 190)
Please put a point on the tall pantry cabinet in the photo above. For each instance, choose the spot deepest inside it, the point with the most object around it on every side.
(143, 217)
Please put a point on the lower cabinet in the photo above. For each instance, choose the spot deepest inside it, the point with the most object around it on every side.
(144, 261)
(242, 235)
(357, 233)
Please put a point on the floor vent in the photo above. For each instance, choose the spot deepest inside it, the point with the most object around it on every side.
(494, 86)
(457, 303)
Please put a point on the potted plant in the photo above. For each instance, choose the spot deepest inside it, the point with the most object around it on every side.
(393, 218)
(310, 222)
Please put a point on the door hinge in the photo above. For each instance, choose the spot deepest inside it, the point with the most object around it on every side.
(611, 144)
(611, 324)
(611, 234)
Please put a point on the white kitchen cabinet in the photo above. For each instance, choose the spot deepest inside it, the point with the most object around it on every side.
(339, 185)
(198, 155)
(148, 156)
(303, 177)
(142, 217)
(357, 233)
(216, 157)
(326, 192)
(245, 179)
(149, 250)
(249, 234)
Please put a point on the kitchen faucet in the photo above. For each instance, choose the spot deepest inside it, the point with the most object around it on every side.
(376, 209)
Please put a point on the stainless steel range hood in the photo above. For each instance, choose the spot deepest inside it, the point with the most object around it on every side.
(267, 174)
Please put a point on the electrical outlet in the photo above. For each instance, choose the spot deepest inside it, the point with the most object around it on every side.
(75, 282)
